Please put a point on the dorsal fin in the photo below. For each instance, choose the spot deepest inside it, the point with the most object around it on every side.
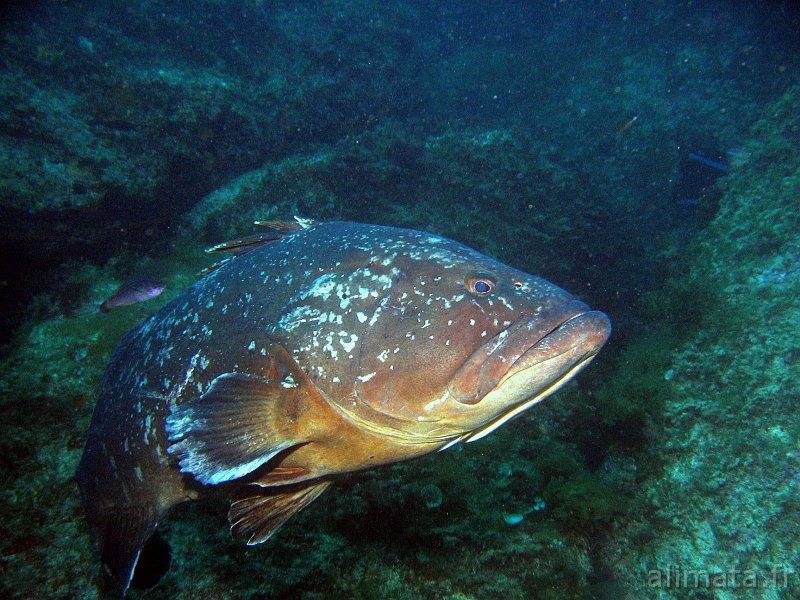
(213, 267)
(246, 243)
(275, 231)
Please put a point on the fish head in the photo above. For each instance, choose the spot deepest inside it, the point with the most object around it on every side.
(455, 343)
(546, 336)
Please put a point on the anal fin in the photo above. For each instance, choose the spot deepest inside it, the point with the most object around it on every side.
(257, 514)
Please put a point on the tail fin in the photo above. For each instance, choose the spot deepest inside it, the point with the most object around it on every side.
(122, 536)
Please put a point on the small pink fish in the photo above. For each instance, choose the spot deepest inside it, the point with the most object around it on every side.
(132, 292)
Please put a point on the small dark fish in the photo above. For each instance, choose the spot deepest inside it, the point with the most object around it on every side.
(626, 125)
(709, 162)
(132, 292)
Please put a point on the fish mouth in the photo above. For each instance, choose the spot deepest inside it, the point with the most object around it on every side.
(544, 367)
(576, 339)
(569, 327)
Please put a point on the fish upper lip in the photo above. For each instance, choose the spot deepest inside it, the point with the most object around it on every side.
(562, 315)
(493, 360)
(593, 328)
(528, 346)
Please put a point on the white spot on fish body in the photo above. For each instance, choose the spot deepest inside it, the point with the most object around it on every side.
(328, 347)
(375, 316)
(252, 346)
(302, 314)
(321, 287)
(147, 423)
(361, 317)
(350, 344)
(367, 377)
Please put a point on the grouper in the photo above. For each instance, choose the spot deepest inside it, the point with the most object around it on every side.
(316, 350)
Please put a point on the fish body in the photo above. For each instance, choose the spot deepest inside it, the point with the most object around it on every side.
(133, 292)
(335, 348)
(627, 124)
(708, 161)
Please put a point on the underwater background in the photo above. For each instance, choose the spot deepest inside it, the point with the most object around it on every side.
(643, 155)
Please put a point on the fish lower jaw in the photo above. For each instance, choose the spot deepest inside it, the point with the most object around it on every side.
(515, 410)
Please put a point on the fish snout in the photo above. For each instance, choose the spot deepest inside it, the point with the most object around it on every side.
(570, 331)
(590, 331)
(549, 341)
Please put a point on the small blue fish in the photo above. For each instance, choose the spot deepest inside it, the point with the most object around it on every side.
(709, 162)
(132, 292)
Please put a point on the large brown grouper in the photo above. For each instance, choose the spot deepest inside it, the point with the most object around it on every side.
(333, 348)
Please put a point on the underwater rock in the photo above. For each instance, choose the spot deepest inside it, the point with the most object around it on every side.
(432, 496)
(726, 499)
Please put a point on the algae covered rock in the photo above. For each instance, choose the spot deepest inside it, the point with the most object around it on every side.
(724, 510)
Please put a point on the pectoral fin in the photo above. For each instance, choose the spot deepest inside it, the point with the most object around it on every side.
(240, 423)
(256, 515)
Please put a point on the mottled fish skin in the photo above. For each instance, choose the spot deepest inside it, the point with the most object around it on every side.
(378, 336)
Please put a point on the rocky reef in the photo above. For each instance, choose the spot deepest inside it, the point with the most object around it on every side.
(723, 506)
(555, 138)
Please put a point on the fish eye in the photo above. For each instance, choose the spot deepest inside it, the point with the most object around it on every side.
(480, 285)
(518, 284)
